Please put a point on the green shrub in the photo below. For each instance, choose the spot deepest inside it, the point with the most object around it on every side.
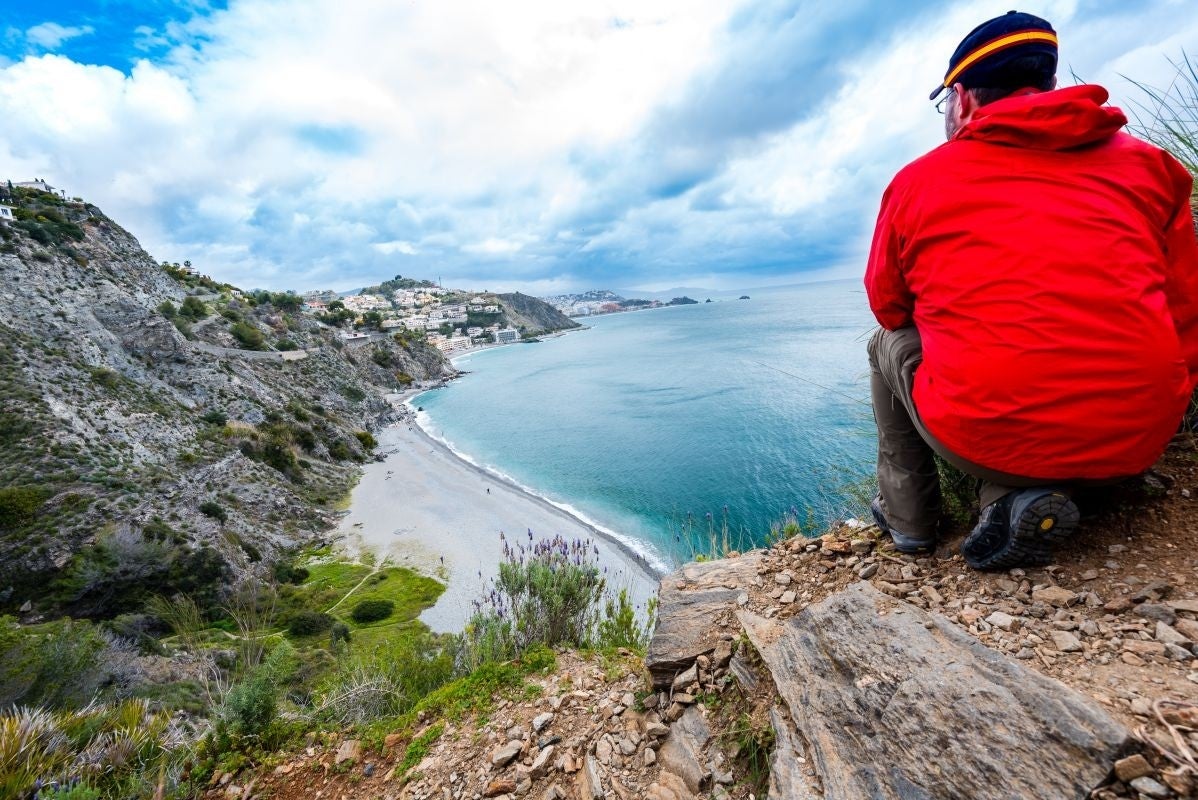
(307, 623)
(212, 509)
(372, 611)
(621, 626)
(108, 378)
(340, 451)
(19, 504)
(215, 417)
(248, 336)
(285, 572)
(167, 309)
(286, 344)
(367, 439)
(250, 708)
(547, 593)
(193, 309)
(387, 680)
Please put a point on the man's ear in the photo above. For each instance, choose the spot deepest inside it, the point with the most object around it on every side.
(965, 102)
(1054, 81)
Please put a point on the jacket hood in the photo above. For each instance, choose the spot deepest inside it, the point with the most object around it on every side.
(1057, 120)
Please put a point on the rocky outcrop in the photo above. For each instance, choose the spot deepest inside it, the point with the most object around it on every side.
(533, 316)
(894, 702)
(690, 600)
(878, 698)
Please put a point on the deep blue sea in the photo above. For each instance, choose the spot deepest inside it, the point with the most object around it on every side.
(650, 421)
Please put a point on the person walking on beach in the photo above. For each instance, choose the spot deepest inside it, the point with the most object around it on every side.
(1036, 283)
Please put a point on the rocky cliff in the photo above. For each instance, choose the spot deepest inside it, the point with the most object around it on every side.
(140, 459)
(533, 316)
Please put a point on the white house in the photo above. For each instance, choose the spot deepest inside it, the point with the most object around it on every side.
(41, 186)
(507, 336)
(6, 213)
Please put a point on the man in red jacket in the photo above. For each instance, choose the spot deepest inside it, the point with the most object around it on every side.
(1036, 280)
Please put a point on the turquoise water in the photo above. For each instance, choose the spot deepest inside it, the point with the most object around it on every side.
(649, 421)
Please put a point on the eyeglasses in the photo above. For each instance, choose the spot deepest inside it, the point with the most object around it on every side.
(943, 100)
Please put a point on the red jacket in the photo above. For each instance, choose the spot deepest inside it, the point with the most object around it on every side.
(1050, 264)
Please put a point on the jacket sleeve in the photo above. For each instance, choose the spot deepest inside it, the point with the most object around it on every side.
(889, 296)
(1181, 282)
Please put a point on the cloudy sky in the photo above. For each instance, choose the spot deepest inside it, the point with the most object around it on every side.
(532, 144)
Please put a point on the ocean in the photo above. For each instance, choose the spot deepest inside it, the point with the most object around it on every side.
(672, 426)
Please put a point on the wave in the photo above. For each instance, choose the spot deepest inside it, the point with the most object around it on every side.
(638, 547)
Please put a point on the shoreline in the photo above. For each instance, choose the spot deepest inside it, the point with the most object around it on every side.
(655, 573)
(445, 517)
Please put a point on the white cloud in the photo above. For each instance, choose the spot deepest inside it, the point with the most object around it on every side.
(292, 147)
(49, 35)
(397, 246)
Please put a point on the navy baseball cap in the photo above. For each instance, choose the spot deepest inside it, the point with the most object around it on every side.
(983, 58)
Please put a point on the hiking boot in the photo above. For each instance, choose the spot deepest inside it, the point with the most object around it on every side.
(902, 542)
(1021, 529)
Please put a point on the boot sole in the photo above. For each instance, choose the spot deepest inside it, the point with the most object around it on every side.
(1030, 543)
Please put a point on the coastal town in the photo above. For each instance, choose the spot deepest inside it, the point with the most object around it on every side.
(452, 320)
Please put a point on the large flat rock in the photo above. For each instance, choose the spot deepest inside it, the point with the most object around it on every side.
(689, 600)
(894, 703)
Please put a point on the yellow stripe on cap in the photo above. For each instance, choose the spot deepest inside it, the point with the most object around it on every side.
(996, 45)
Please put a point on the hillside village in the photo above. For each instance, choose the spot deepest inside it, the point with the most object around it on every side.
(452, 320)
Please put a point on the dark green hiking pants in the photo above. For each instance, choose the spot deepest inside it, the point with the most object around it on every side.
(907, 475)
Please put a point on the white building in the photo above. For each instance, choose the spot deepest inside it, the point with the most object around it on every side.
(392, 324)
(6, 213)
(366, 302)
(41, 186)
(507, 336)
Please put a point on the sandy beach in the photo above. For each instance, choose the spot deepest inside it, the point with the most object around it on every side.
(424, 507)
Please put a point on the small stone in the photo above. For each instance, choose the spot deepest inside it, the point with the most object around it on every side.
(1132, 767)
(506, 754)
(867, 572)
(1089, 575)
(1158, 612)
(350, 750)
(368, 770)
(1150, 787)
(1004, 621)
(1066, 642)
(650, 757)
(1117, 606)
(1116, 549)
(499, 786)
(742, 599)
(1131, 659)
(1187, 628)
(1142, 648)
(1054, 596)
(541, 720)
(783, 578)
(1175, 652)
(787, 597)
(970, 615)
(392, 739)
(540, 764)
(1141, 707)
(685, 678)
(1166, 634)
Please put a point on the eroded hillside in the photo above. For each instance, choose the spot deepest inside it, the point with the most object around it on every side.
(161, 431)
